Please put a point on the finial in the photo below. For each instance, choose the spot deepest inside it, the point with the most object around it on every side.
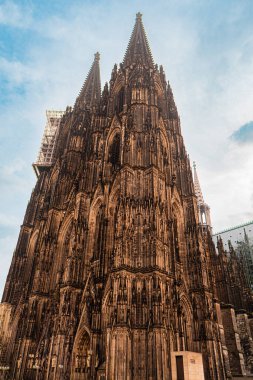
(138, 16)
(246, 239)
(97, 56)
(194, 164)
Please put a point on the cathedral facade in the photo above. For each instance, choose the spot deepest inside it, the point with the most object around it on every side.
(114, 275)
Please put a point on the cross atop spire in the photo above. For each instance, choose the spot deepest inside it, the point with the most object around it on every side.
(91, 90)
(138, 50)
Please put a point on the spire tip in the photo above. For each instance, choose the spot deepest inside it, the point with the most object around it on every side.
(97, 56)
(139, 16)
(138, 50)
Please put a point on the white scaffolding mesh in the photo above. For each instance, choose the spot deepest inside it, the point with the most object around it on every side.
(46, 151)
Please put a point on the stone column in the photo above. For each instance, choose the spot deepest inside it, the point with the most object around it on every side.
(246, 339)
(232, 339)
(224, 348)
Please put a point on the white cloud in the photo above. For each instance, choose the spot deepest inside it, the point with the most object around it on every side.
(13, 15)
(8, 220)
(18, 73)
(13, 167)
(13, 178)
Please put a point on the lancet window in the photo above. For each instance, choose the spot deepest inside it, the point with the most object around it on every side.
(98, 236)
(114, 151)
(175, 236)
(119, 101)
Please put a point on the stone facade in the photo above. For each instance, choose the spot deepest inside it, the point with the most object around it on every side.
(113, 273)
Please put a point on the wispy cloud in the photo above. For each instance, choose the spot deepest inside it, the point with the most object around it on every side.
(11, 14)
(17, 73)
(7, 245)
(244, 135)
(8, 220)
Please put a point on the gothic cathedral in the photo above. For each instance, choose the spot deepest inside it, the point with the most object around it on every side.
(114, 276)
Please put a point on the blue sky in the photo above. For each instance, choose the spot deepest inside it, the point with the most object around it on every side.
(206, 48)
(244, 134)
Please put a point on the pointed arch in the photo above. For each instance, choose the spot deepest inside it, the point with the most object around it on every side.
(158, 85)
(164, 134)
(98, 233)
(61, 253)
(54, 173)
(67, 224)
(96, 217)
(52, 183)
(186, 323)
(119, 83)
(114, 151)
(115, 190)
(81, 355)
(179, 229)
(113, 148)
(31, 254)
(32, 242)
(115, 126)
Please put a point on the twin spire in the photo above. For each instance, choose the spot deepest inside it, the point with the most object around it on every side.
(90, 93)
(138, 51)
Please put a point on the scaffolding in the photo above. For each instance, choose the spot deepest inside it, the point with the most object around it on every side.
(46, 152)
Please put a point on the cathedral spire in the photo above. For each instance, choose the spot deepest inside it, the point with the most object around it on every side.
(90, 93)
(204, 209)
(197, 188)
(138, 50)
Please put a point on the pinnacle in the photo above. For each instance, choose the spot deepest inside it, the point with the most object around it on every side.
(138, 50)
(91, 90)
(197, 188)
(138, 16)
(97, 56)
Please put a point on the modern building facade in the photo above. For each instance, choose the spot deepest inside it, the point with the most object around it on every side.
(235, 234)
(114, 276)
(241, 238)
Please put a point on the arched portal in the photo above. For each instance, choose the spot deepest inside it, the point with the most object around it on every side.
(185, 325)
(82, 357)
